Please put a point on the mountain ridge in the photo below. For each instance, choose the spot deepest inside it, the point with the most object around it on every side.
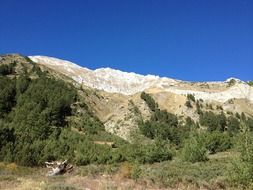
(120, 113)
(116, 81)
(37, 58)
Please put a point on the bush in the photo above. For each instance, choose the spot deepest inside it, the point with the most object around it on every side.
(150, 101)
(136, 171)
(60, 186)
(217, 142)
(188, 104)
(214, 122)
(7, 69)
(194, 150)
(189, 122)
(150, 153)
(198, 107)
(191, 97)
(164, 131)
(241, 168)
(162, 125)
(250, 83)
(7, 95)
(157, 152)
(231, 82)
(233, 124)
(240, 173)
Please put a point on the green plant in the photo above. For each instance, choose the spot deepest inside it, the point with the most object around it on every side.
(191, 97)
(188, 104)
(250, 83)
(194, 150)
(231, 82)
(60, 187)
(150, 101)
(219, 107)
(216, 142)
(213, 121)
(7, 69)
(136, 171)
(241, 168)
(198, 107)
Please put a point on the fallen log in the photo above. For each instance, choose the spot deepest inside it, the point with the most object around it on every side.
(59, 168)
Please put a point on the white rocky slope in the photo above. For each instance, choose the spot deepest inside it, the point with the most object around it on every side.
(115, 81)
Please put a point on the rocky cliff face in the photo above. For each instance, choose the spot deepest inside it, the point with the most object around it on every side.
(115, 81)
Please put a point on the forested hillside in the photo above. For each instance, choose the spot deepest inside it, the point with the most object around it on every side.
(44, 119)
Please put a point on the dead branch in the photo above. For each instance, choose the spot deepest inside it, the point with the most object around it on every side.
(58, 168)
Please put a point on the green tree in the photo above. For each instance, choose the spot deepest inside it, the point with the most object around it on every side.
(7, 95)
(250, 83)
(7, 69)
(150, 101)
(217, 142)
(241, 168)
(191, 97)
(188, 104)
(213, 121)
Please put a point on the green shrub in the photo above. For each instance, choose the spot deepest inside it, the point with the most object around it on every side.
(194, 150)
(149, 100)
(241, 168)
(136, 171)
(217, 142)
(213, 121)
(7, 69)
(162, 125)
(189, 122)
(191, 97)
(219, 107)
(198, 107)
(157, 152)
(188, 104)
(249, 123)
(150, 153)
(60, 186)
(233, 124)
(250, 83)
(240, 173)
(156, 129)
(7, 95)
(231, 82)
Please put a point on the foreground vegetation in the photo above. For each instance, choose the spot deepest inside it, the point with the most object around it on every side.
(176, 174)
(44, 119)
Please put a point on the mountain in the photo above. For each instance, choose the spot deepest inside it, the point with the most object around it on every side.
(51, 109)
(114, 96)
(115, 81)
(42, 117)
(118, 93)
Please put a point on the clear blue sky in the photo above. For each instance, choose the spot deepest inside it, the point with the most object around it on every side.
(194, 40)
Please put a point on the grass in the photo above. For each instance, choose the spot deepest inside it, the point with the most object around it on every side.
(177, 174)
(170, 174)
(13, 169)
(60, 187)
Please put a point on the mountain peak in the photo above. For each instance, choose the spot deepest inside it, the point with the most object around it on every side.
(234, 79)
